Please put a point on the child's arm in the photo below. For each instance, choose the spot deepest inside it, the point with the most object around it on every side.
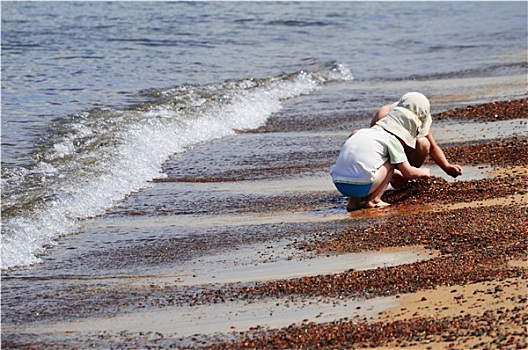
(409, 172)
(381, 113)
(439, 157)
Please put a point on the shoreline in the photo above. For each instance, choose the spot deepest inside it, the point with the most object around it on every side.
(476, 226)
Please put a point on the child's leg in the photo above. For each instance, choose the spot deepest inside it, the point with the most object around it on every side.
(354, 203)
(355, 194)
(398, 181)
(416, 157)
(383, 178)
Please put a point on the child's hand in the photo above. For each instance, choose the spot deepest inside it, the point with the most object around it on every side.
(453, 170)
(409, 172)
(426, 172)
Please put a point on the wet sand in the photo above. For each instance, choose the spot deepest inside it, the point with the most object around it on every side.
(278, 263)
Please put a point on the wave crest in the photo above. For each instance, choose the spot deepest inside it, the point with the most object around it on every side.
(92, 160)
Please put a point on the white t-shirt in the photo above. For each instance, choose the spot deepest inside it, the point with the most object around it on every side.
(364, 153)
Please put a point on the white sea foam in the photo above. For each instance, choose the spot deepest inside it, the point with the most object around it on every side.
(89, 179)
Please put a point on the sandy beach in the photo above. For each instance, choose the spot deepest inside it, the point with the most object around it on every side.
(445, 266)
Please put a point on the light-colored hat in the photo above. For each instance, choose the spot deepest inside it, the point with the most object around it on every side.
(419, 105)
(403, 124)
(409, 118)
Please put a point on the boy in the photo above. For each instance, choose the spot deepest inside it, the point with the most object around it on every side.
(368, 159)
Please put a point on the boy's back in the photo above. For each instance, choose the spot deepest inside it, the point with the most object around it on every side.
(361, 155)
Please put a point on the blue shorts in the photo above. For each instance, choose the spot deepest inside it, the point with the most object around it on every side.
(353, 190)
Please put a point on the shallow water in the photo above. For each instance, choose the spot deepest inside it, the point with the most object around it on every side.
(226, 317)
(246, 264)
(258, 264)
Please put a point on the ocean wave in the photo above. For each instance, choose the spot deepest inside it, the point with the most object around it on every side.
(90, 161)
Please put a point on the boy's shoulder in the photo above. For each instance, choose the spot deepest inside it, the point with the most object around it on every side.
(374, 133)
(379, 131)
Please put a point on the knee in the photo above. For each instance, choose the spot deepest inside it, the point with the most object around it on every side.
(420, 152)
(423, 146)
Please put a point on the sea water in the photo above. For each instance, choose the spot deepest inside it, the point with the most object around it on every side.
(98, 96)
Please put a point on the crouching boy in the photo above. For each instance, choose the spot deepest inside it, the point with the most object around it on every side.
(367, 160)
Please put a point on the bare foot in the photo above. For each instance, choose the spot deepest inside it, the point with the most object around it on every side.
(376, 204)
(353, 204)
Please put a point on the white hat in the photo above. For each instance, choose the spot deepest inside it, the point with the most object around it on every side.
(419, 105)
(402, 123)
(409, 118)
